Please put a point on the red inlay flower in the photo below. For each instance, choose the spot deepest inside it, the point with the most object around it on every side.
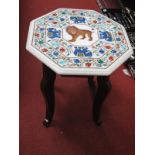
(111, 58)
(120, 33)
(123, 41)
(44, 49)
(108, 21)
(36, 34)
(94, 21)
(108, 47)
(54, 14)
(88, 64)
(54, 22)
(62, 49)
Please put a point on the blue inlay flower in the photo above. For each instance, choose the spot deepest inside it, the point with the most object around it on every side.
(55, 53)
(101, 51)
(50, 18)
(82, 14)
(62, 19)
(54, 44)
(118, 39)
(123, 46)
(78, 19)
(76, 61)
(113, 51)
(53, 33)
(63, 62)
(99, 19)
(105, 35)
(41, 29)
(82, 51)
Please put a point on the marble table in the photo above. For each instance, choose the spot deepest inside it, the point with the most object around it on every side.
(77, 42)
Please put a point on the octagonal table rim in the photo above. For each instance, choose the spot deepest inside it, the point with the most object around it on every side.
(76, 71)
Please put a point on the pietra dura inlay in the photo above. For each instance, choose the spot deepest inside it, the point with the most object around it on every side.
(83, 42)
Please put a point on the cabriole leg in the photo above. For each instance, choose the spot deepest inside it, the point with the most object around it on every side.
(47, 88)
(102, 91)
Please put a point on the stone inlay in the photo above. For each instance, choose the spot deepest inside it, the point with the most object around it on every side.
(108, 41)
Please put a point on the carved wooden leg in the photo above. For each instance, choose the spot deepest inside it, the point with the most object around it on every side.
(102, 91)
(47, 88)
(91, 82)
(92, 85)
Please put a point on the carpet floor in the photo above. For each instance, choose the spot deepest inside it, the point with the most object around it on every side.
(72, 131)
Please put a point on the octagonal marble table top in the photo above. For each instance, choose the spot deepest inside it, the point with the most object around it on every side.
(78, 42)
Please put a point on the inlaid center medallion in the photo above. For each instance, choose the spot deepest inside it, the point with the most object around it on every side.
(80, 35)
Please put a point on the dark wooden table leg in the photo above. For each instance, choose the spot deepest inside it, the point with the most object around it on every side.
(104, 86)
(47, 88)
(91, 82)
(92, 85)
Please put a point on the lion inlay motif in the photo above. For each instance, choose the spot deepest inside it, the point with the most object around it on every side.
(76, 32)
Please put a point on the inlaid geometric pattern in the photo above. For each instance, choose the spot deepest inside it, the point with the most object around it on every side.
(100, 45)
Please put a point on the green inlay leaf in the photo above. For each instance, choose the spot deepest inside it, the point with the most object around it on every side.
(41, 41)
(100, 61)
(40, 21)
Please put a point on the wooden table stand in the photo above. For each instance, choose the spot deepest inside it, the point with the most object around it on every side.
(47, 88)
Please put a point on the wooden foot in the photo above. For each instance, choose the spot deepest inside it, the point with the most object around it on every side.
(46, 122)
